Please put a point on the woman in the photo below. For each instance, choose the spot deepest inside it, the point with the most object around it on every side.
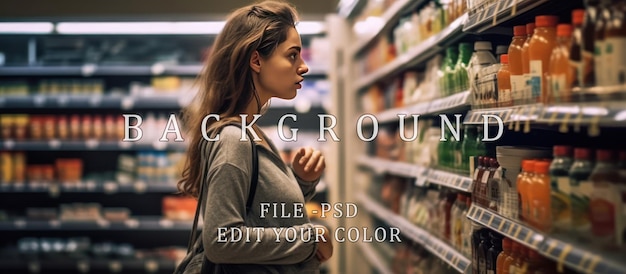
(254, 58)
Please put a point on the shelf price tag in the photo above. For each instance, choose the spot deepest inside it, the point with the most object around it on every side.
(125, 145)
(54, 223)
(115, 266)
(110, 187)
(92, 144)
(592, 265)
(53, 190)
(131, 223)
(127, 103)
(164, 223)
(82, 266)
(579, 119)
(19, 223)
(63, 100)
(54, 144)
(39, 100)
(95, 101)
(88, 69)
(140, 187)
(594, 127)
(157, 69)
(102, 223)
(563, 128)
(566, 250)
(151, 266)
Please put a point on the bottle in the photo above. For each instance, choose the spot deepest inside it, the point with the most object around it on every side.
(605, 203)
(526, 95)
(501, 49)
(506, 252)
(539, 51)
(483, 248)
(509, 262)
(515, 64)
(539, 197)
(443, 151)
(560, 74)
(560, 188)
(615, 43)
(449, 73)
(468, 147)
(580, 188)
(478, 175)
(467, 230)
(493, 190)
(460, 69)
(446, 210)
(520, 260)
(504, 83)
(476, 240)
(523, 180)
(481, 59)
(456, 221)
(587, 76)
(599, 57)
(493, 252)
(535, 262)
(575, 52)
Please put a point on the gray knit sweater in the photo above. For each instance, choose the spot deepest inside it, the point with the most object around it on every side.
(275, 251)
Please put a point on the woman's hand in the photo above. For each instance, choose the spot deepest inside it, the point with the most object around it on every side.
(308, 164)
(324, 248)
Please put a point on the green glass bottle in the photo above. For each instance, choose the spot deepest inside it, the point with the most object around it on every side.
(448, 73)
(460, 69)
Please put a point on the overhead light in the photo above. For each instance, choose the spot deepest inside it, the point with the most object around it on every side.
(214, 27)
(140, 27)
(26, 27)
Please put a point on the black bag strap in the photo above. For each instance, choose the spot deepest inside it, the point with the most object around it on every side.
(254, 179)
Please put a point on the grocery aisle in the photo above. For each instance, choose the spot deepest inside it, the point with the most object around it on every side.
(486, 132)
(78, 193)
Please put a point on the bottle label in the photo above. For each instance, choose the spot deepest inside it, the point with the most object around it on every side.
(536, 77)
(580, 204)
(558, 84)
(517, 88)
(603, 206)
(600, 68)
(504, 97)
(614, 58)
(560, 203)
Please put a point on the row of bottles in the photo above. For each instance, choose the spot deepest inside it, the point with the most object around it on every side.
(453, 73)
(577, 195)
(454, 155)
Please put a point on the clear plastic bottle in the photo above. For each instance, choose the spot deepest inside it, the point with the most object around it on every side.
(605, 203)
(560, 188)
(481, 59)
(581, 187)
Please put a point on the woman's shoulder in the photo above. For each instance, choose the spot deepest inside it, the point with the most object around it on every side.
(230, 138)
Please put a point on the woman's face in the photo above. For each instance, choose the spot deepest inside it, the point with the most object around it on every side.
(280, 74)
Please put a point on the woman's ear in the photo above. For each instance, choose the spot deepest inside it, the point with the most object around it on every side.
(255, 62)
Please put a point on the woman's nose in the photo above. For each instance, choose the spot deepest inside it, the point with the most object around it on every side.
(303, 69)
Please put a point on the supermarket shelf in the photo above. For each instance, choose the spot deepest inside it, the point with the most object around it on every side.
(514, 230)
(374, 259)
(136, 223)
(453, 104)
(437, 247)
(581, 259)
(91, 101)
(89, 264)
(56, 189)
(117, 70)
(417, 54)
(609, 114)
(349, 9)
(90, 145)
(422, 174)
(390, 18)
(502, 11)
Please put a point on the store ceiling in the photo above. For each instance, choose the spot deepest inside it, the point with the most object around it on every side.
(99, 10)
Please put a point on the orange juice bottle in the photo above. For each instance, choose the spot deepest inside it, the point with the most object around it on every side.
(530, 29)
(539, 197)
(523, 180)
(539, 50)
(509, 262)
(504, 83)
(520, 259)
(560, 72)
(515, 63)
(506, 252)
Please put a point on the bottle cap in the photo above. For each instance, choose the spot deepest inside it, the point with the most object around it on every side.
(530, 28)
(604, 155)
(502, 49)
(578, 16)
(564, 30)
(546, 21)
(562, 151)
(542, 167)
(504, 58)
(465, 47)
(482, 45)
(582, 153)
(519, 30)
(527, 165)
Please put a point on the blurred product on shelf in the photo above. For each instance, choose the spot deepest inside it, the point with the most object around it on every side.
(482, 75)
(22, 127)
(179, 208)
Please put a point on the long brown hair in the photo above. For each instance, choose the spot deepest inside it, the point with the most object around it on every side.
(226, 86)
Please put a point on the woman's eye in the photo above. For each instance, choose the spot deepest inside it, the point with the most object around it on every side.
(293, 56)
